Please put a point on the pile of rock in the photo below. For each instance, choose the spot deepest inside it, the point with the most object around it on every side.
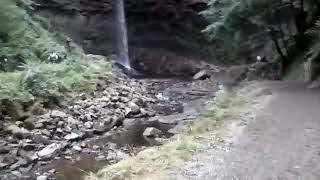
(150, 108)
(53, 134)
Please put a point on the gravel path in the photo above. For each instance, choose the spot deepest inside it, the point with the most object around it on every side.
(282, 143)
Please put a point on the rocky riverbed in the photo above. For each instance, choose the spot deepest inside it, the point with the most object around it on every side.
(125, 117)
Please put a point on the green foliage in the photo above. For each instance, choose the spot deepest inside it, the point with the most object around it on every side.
(240, 28)
(11, 21)
(231, 19)
(23, 36)
(52, 80)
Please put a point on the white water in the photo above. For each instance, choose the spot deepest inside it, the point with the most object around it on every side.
(123, 48)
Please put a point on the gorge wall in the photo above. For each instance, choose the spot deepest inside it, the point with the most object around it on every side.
(163, 27)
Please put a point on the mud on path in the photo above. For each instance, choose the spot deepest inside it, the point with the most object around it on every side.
(281, 143)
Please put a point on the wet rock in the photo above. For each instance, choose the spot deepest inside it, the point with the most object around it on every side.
(25, 170)
(167, 122)
(20, 163)
(129, 123)
(152, 132)
(38, 125)
(30, 156)
(88, 117)
(58, 114)
(29, 124)
(28, 146)
(4, 150)
(42, 177)
(7, 160)
(72, 136)
(45, 132)
(88, 125)
(100, 128)
(100, 158)
(71, 120)
(51, 127)
(52, 171)
(115, 98)
(134, 108)
(16, 173)
(13, 109)
(161, 97)
(77, 148)
(60, 124)
(88, 133)
(138, 101)
(202, 75)
(124, 99)
(50, 151)
(17, 132)
(181, 128)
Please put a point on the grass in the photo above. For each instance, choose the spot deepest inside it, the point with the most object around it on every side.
(27, 38)
(154, 163)
(43, 80)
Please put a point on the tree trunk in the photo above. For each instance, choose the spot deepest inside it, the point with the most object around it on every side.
(276, 43)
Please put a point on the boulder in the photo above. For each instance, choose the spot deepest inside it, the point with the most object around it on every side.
(58, 114)
(42, 177)
(152, 132)
(7, 160)
(50, 151)
(4, 150)
(17, 132)
(202, 75)
(40, 139)
(13, 109)
(77, 148)
(72, 136)
(132, 109)
(29, 124)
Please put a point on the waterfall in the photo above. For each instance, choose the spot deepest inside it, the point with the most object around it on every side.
(123, 48)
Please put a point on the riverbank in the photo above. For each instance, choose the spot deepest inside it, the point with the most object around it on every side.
(102, 127)
(204, 134)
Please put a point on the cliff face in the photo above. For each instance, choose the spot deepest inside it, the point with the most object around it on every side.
(167, 24)
(89, 23)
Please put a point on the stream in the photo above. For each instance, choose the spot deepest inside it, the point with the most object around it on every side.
(104, 128)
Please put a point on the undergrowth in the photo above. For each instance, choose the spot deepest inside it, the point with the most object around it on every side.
(25, 43)
(52, 80)
(153, 163)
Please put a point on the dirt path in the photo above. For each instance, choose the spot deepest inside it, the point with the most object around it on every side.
(282, 143)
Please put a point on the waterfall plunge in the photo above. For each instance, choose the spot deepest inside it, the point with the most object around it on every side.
(123, 48)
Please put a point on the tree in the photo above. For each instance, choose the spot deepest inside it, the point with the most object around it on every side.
(232, 20)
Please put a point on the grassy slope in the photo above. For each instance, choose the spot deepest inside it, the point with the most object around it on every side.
(31, 39)
(154, 163)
